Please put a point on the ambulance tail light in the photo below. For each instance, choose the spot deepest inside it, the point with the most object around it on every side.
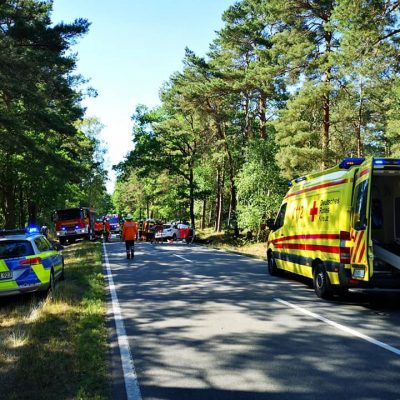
(345, 255)
(31, 261)
(344, 235)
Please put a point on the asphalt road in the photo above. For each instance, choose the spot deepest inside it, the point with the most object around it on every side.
(207, 324)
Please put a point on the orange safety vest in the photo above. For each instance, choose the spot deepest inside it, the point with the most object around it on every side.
(129, 230)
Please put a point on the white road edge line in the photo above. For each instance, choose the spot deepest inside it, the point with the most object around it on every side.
(342, 327)
(131, 382)
(183, 258)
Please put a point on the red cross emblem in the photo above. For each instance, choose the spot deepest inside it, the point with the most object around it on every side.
(313, 211)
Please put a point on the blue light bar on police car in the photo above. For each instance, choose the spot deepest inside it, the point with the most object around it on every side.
(350, 162)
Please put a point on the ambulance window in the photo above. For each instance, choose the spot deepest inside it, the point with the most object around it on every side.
(360, 206)
(280, 219)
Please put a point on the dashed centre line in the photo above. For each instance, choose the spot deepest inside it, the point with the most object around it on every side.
(183, 258)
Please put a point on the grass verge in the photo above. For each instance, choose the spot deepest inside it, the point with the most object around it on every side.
(225, 241)
(55, 347)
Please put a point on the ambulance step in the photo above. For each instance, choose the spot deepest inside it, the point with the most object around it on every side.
(387, 256)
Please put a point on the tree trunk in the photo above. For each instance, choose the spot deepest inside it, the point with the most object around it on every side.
(360, 146)
(32, 213)
(9, 206)
(263, 118)
(220, 200)
(216, 214)
(203, 214)
(326, 107)
(191, 196)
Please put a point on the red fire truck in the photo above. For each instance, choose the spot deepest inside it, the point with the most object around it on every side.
(74, 223)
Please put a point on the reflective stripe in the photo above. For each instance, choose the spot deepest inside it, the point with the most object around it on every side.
(42, 273)
(6, 285)
(3, 266)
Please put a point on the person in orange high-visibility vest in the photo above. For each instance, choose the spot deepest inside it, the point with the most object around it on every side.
(129, 233)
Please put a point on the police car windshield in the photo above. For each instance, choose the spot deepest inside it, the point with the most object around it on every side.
(15, 248)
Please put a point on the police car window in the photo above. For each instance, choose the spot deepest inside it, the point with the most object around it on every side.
(360, 206)
(17, 248)
(42, 244)
(280, 219)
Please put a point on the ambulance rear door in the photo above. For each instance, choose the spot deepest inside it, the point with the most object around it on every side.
(361, 257)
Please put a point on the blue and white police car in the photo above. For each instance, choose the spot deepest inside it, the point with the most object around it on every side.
(28, 262)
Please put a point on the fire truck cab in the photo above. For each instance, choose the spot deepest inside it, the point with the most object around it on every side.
(74, 223)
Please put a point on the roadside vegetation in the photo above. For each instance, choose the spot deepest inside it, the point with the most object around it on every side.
(224, 240)
(286, 89)
(54, 347)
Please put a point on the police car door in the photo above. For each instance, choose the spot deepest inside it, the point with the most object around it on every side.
(362, 254)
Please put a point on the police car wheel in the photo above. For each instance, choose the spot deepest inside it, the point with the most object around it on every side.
(62, 276)
(52, 283)
(272, 268)
(322, 286)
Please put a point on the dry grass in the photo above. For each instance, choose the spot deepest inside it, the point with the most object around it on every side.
(55, 347)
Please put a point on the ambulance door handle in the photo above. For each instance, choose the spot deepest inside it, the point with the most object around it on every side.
(370, 253)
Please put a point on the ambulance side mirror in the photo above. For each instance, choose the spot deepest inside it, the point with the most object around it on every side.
(271, 224)
(360, 226)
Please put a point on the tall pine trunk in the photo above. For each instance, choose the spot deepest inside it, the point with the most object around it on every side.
(219, 200)
(262, 114)
(203, 214)
(326, 107)
(191, 196)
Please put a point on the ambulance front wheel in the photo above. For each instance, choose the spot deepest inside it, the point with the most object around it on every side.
(322, 285)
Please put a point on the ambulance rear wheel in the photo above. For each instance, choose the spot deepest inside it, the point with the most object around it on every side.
(322, 285)
(272, 268)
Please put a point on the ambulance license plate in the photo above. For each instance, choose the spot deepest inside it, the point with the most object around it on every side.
(358, 273)
(6, 275)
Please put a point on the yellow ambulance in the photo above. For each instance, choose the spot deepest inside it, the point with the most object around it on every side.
(341, 227)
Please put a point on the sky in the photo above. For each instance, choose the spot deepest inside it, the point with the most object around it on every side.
(132, 47)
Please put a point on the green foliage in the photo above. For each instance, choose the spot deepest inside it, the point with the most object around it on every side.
(288, 88)
(260, 187)
(48, 161)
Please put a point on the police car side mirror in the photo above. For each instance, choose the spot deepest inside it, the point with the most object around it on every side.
(271, 224)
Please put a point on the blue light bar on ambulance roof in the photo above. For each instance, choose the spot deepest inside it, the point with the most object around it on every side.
(297, 180)
(350, 162)
(300, 179)
(390, 162)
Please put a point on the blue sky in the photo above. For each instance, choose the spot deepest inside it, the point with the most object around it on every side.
(133, 47)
